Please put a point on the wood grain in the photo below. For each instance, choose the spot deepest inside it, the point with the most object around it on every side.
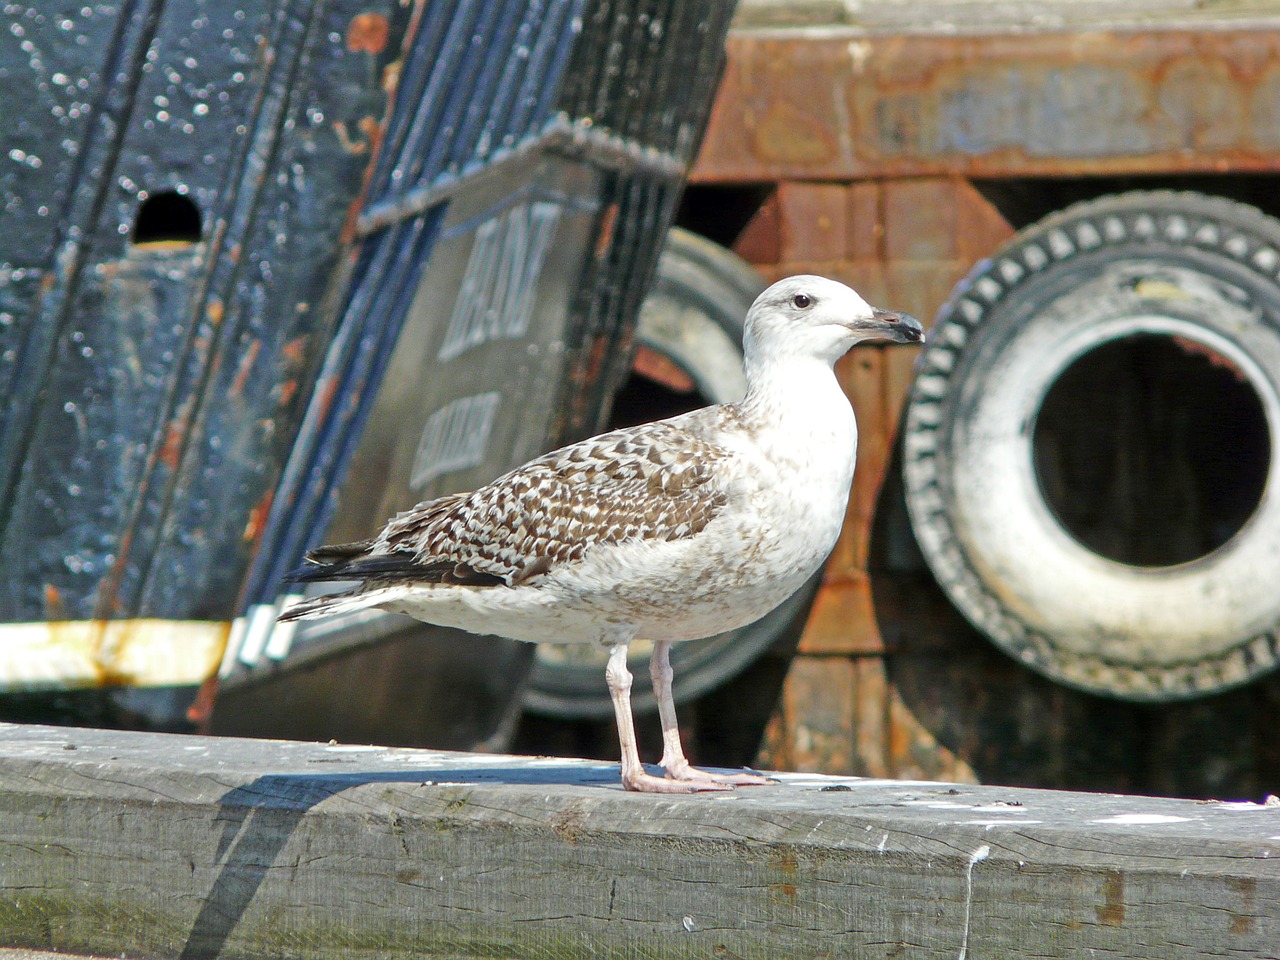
(147, 845)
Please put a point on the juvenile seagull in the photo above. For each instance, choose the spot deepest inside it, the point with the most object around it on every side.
(673, 530)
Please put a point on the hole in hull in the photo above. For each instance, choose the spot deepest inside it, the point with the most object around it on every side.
(167, 217)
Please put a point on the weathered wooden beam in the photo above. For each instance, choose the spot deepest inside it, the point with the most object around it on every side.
(164, 846)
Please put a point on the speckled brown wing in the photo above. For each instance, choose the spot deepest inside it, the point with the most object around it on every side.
(652, 482)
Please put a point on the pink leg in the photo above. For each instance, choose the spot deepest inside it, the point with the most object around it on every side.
(634, 776)
(673, 758)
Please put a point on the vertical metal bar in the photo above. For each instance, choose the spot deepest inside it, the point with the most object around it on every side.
(587, 60)
(676, 57)
(612, 58)
(499, 59)
(497, 130)
(547, 69)
(456, 98)
(424, 128)
(710, 59)
(639, 62)
(421, 60)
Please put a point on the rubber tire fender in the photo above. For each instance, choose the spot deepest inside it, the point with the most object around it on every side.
(1177, 264)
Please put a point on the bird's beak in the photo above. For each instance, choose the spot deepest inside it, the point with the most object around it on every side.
(899, 327)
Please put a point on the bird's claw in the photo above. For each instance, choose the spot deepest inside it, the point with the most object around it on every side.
(685, 773)
(648, 783)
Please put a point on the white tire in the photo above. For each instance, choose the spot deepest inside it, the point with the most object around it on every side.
(1200, 273)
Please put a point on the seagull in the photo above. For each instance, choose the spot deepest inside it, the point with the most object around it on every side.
(673, 530)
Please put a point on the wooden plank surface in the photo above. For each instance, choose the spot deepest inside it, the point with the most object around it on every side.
(163, 846)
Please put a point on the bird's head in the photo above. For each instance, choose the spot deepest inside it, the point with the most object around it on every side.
(823, 318)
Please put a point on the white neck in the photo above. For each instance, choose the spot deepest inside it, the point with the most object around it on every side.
(780, 388)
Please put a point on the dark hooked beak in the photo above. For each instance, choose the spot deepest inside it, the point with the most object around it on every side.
(899, 327)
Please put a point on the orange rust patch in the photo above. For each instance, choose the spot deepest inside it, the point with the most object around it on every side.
(786, 864)
(595, 358)
(1242, 920)
(171, 450)
(368, 33)
(295, 350)
(1112, 910)
(662, 369)
(200, 709)
(349, 144)
(258, 517)
(246, 367)
(608, 222)
(54, 609)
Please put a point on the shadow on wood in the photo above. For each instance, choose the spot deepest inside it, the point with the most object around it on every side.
(255, 822)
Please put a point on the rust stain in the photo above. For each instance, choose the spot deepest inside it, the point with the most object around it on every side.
(373, 132)
(662, 369)
(295, 351)
(608, 222)
(1242, 922)
(368, 33)
(170, 453)
(102, 652)
(373, 128)
(202, 707)
(391, 76)
(994, 105)
(596, 355)
(784, 134)
(245, 368)
(783, 892)
(258, 517)
(106, 655)
(54, 608)
(326, 391)
(107, 601)
(345, 140)
(786, 864)
(1112, 910)
(570, 823)
(1196, 348)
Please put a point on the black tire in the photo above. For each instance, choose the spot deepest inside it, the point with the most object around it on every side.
(693, 318)
(1150, 575)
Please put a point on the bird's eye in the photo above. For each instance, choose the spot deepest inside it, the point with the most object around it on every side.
(802, 300)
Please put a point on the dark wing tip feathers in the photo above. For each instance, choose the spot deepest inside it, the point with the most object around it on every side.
(338, 552)
(352, 562)
(300, 610)
(328, 562)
